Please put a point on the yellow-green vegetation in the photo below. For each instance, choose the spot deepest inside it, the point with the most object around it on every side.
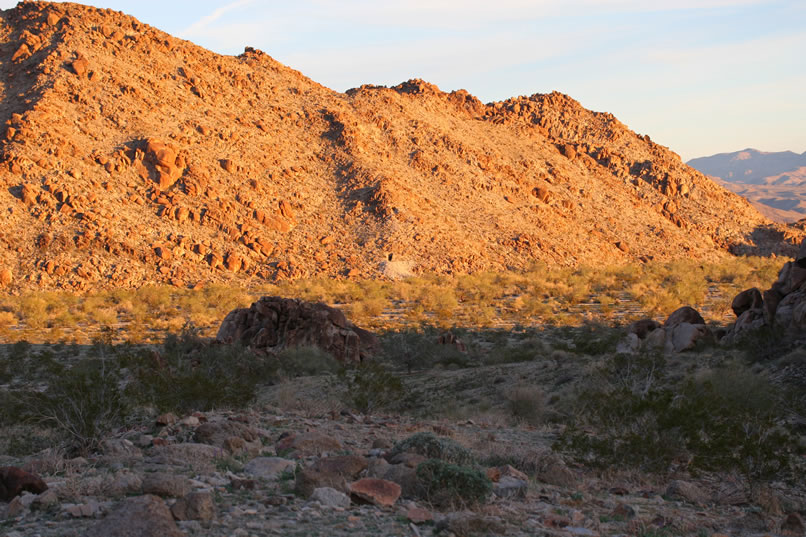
(539, 296)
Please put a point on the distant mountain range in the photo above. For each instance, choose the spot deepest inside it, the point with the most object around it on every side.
(775, 183)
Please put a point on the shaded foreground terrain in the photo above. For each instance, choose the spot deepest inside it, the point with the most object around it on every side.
(132, 157)
(539, 428)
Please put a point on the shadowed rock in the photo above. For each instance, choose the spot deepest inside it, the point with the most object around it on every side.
(272, 324)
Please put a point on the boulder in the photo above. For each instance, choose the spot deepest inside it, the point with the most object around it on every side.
(6, 277)
(14, 481)
(686, 314)
(686, 335)
(273, 323)
(329, 497)
(746, 300)
(643, 327)
(375, 491)
(271, 468)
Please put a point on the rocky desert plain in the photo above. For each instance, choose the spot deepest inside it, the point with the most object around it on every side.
(234, 302)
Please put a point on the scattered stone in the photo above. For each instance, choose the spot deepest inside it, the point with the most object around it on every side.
(46, 500)
(223, 433)
(306, 444)
(375, 491)
(329, 497)
(140, 516)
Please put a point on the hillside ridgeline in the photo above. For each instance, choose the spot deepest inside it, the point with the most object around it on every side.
(132, 157)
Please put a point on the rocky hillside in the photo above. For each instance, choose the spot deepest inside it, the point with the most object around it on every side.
(775, 183)
(130, 156)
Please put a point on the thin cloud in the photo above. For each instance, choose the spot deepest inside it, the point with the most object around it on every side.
(205, 21)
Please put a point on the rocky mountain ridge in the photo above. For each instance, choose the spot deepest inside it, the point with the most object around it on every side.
(132, 157)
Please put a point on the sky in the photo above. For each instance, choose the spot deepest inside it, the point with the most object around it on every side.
(699, 76)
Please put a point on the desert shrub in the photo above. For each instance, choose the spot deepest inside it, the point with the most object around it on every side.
(526, 404)
(85, 403)
(590, 339)
(419, 349)
(370, 386)
(307, 361)
(728, 420)
(190, 373)
(446, 484)
(434, 447)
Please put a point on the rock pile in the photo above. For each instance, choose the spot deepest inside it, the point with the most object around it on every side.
(272, 324)
(680, 332)
(782, 306)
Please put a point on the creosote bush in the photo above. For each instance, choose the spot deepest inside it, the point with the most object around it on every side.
(434, 447)
(85, 403)
(451, 485)
(370, 386)
(190, 373)
(727, 420)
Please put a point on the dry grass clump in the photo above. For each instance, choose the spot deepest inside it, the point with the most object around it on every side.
(537, 296)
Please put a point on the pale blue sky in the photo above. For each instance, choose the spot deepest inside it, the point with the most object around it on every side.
(700, 76)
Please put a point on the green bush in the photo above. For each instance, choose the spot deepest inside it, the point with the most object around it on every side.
(85, 403)
(307, 361)
(526, 404)
(729, 420)
(189, 373)
(370, 386)
(429, 445)
(446, 484)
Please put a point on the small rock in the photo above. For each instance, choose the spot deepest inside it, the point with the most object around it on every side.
(329, 497)
(194, 506)
(46, 500)
(793, 524)
(169, 418)
(269, 467)
(140, 516)
(376, 491)
(419, 515)
(623, 511)
(163, 484)
(510, 487)
(305, 444)
(686, 491)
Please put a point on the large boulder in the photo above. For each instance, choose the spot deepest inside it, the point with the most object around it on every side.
(14, 481)
(273, 323)
(686, 314)
(746, 300)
